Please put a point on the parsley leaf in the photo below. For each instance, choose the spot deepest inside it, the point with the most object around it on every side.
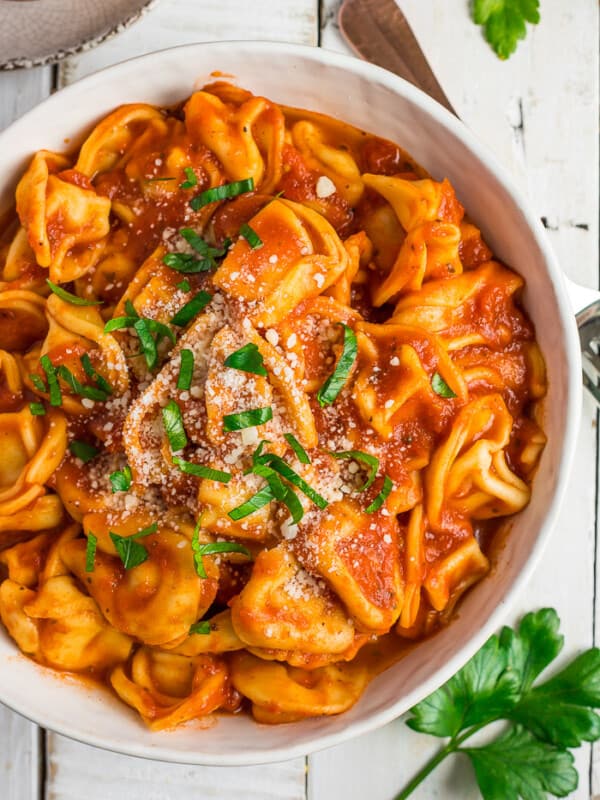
(531, 757)
(504, 21)
(560, 710)
(518, 765)
(480, 692)
(534, 646)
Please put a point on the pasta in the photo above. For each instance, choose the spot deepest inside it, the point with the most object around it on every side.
(265, 397)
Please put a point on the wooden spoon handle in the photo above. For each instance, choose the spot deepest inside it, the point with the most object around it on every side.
(379, 32)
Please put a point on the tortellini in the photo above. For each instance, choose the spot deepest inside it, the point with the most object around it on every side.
(262, 389)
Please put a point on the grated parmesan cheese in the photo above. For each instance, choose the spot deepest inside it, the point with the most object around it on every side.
(325, 187)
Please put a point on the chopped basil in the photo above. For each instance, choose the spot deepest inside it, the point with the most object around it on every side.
(186, 262)
(147, 343)
(280, 466)
(37, 409)
(190, 263)
(294, 506)
(200, 471)
(131, 552)
(90, 552)
(52, 378)
(275, 490)
(186, 369)
(191, 179)
(184, 285)
(223, 192)
(194, 306)
(382, 496)
(71, 298)
(335, 382)
(202, 627)
(91, 392)
(150, 332)
(173, 422)
(89, 370)
(371, 461)
(38, 382)
(212, 548)
(258, 500)
(251, 236)
(83, 451)
(439, 386)
(300, 452)
(247, 359)
(120, 480)
(247, 419)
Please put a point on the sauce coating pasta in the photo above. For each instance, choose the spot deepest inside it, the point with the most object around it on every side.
(265, 394)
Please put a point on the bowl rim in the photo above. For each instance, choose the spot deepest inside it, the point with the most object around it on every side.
(444, 119)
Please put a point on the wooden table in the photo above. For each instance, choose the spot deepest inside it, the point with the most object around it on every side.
(538, 114)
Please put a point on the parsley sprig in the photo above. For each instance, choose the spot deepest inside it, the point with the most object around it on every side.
(504, 22)
(531, 758)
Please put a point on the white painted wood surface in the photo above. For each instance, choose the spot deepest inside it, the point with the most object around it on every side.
(538, 114)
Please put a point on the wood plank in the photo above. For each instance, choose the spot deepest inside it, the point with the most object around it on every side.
(76, 770)
(21, 748)
(22, 89)
(175, 22)
(518, 109)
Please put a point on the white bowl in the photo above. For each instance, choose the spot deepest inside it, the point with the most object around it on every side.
(377, 101)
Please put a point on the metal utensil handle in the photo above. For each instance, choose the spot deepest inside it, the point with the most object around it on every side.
(379, 32)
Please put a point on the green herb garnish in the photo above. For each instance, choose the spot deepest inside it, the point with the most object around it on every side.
(190, 263)
(247, 419)
(388, 485)
(89, 370)
(251, 236)
(335, 382)
(531, 758)
(223, 192)
(439, 386)
(202, 627)
(68, 297)
(173, 422)
(90, 552)
(131, 552)
(200, 471)
(37, 409)
(280, 466)
(83, 451)
(147, 342)
(300, 452)
(247, 359)
(149, 332)
(75, 385)
(120, 480)
(184, 285)
(38, 382)
(52, 378)
(186, 369)
(191, 179)
(194, 306)
(262, 498)
(504, 22)
(372, 463)
(212, 548)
